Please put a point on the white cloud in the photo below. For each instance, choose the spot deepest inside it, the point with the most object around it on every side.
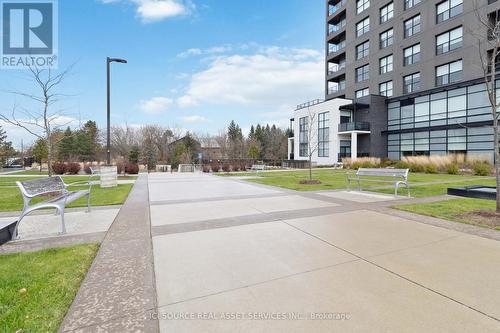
(193, 119)
(157, 10)
(155, 105)
(273, 77)
(212, 50)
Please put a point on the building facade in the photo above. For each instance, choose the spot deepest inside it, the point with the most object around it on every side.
(408, 77)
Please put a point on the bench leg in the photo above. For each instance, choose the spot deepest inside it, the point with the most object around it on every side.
(88, 203)
(63, 225)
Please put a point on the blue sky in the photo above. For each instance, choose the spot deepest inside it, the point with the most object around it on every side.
(192, 64)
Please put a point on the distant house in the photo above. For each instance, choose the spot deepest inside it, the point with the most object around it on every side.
(210, 149)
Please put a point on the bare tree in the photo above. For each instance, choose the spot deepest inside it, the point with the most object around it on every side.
(312, 137)
(41, 121)
(489, 52)
(123, 138)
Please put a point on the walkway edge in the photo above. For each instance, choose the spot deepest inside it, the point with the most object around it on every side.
(119, 294)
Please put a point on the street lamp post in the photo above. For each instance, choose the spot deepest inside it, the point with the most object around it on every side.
(108, 143)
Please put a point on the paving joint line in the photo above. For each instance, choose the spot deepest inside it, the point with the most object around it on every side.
(397, 274)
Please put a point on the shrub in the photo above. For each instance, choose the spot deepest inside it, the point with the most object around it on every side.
(73, 168)
(206, 168)
(414, 167)
(482, 169)
(401, 165)
(226, 167)
(452, 169)
(215, 166)
(132, 168)
(59, 168)
(430, 168)
(120, 166)
(236, 167)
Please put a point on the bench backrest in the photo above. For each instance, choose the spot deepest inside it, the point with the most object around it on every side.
(401, 173)
(31, 188)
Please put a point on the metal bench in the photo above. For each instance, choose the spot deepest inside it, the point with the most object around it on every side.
(396, 176)
(258, 167)
(59, 196)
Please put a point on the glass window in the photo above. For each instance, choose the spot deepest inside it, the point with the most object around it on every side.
(438, 109)
(362, 92)
(422, 112)
(412, 26)
(386, 64)
(363, 73)
(411, 55)
(457, 139)
(449, 41)
(411, 83)
(448, 9)
(362, 5)
(385, 89)
(411, 3)
(323, 134)
(362, 50)
(449, 73)
(363, 27)
(387, 12)
(386, 38)
(303, 136)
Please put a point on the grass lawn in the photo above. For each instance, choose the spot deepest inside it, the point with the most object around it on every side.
(51, 279)
(336, 179)
(461, 210)
(11, 199)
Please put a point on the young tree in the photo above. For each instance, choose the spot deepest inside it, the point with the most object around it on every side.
(312, 138)
(41, 122)
(235, 140)
(67, 146)
(489, 53)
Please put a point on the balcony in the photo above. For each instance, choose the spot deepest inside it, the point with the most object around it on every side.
(354, 126)
(334, 68)
(334, 28)
(332, 9)
(338, 88)
(334, 48)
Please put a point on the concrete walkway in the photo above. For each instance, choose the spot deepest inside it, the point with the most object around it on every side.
(230, 256)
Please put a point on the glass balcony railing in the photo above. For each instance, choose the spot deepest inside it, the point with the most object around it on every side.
(336, 27)
(354, 126)
(334, 68)
(335, 89)
(333, 48)
(332, 9)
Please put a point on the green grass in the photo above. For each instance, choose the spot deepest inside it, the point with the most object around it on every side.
(336, 179)
(51, 278)
(424, 191)
(11, 199)
(450, 209)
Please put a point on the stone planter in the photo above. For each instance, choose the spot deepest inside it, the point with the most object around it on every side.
(109, 176)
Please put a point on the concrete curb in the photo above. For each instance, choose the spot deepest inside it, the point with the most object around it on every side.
(118, 294)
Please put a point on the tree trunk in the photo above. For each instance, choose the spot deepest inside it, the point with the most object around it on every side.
(49, 156)
(310, 168)
(497, 159)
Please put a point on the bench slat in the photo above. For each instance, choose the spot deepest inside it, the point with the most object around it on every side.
(40, 186)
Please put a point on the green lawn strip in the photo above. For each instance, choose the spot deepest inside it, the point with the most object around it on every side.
(51, 278)
(11, 199)
(427, 190)
(449, 209)
(336, 179)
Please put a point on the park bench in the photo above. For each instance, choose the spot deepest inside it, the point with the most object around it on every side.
(396, 176)
(57, 194)
(258, 167)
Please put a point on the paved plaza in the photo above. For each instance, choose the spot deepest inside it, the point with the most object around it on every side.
(226, 247)
(201, 253)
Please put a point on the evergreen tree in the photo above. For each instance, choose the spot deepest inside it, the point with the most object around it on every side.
(67, 147)
(40, 151)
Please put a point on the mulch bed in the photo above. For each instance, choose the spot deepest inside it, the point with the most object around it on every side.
(310, 182)
(487, 218)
